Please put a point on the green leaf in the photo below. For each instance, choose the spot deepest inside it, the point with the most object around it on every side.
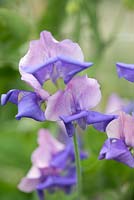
(53, 16)
(14, 32)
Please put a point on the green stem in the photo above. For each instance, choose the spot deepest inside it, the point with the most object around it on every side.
(78, 166)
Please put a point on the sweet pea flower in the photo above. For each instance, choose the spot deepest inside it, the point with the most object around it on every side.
(48, 58)
(74, 104)
(120, 140)
(29, 103)
(53, 166)
(126, 71)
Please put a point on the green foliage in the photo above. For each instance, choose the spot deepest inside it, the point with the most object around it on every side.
(129, 4)
(14, 32)
(53, 22)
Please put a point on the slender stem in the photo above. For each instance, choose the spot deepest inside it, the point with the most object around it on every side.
(78, 166)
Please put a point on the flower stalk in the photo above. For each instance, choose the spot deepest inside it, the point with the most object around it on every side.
(78, 166)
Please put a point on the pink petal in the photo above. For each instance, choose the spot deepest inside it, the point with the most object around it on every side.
(48, 146)
(122, 128)
(58, 104)
(32, 179)
(85, 91)
(47, 47)
(115, 103)
(128, 130)
(113, 129)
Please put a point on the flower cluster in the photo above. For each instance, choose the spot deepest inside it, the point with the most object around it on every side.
(53, 166)
(50, 59)
(53, 163)
(120, 143)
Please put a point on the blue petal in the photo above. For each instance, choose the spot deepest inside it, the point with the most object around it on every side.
(57, 181)
(116, 149)
(60, 160)
(11, 96)
(99, 120)
(126, 71)
(129, 108)
(69, 119)
(29, 106)
(56, 67)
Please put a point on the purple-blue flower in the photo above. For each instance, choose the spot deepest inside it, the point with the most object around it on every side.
(49, 59)
(29, 103)
(53, 166)
(125, 71)
(120, 140)
(72, 104)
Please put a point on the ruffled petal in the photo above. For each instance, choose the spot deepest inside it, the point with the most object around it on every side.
(85, 92)
(48, 147)
(46, 54)
(115, 149)
(57, 105)
(126, 71)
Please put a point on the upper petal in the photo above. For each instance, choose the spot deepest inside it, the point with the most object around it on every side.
(126, 71)
(41, 52)
(85, 91)
(48, 147)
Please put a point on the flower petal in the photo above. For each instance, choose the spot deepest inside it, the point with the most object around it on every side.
(41, 54)
(56, 67)
(99, 120)
(68, 121)
(48, 147)
(115, 103)
(57, 105)
(116, 149)
(57, 181)
(60, 160)
(85, 92)
(29, 106)
(126, 71)
(122, 128)
(30, 182)
(11, 96)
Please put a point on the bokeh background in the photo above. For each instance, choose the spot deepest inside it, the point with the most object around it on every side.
(105, 31)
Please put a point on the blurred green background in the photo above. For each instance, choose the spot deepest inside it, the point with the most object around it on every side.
(105, 31)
